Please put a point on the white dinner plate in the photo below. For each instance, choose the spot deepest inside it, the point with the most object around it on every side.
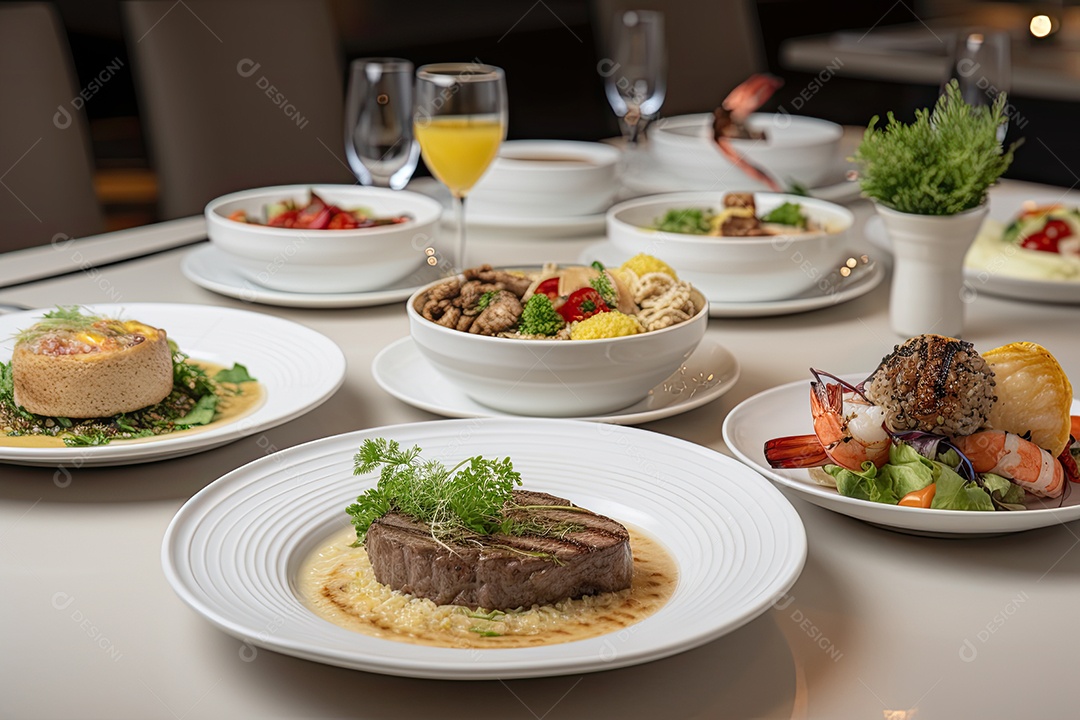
(708, 373)
(784, 410)
(861, 281)
(208, 267)
(297, 367)
(233, 550)
(998, 283)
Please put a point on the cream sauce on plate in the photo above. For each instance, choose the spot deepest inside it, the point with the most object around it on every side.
(338, 584)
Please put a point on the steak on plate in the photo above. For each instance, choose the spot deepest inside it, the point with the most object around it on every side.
(504, 572)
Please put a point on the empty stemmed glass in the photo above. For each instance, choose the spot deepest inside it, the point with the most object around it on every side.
(636, 80)
(379, 141)
(980, 63)
(460, 121)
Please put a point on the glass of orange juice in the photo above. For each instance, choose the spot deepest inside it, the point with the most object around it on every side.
(459, 121)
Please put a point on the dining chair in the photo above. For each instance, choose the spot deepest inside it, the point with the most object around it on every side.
(237, 95)
(46, 170)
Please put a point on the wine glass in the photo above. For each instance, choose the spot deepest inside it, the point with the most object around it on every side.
(636, 79)
(459, 121)
(980, 63)
(379, 140)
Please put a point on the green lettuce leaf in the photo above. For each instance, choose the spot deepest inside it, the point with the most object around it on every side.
(202, 413)
(906, 471)
(236, 374)
(1004, 491)
(954, 493)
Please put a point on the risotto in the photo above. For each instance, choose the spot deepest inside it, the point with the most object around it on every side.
(337, 583)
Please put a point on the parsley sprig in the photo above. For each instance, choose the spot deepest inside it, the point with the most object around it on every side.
(467, 499)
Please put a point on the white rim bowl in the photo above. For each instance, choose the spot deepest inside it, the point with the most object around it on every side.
(541, 177)
(736, 269)
(325, 261)
(556, 378)
(796, 149)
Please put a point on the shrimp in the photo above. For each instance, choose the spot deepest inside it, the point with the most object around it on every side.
(848, 431)
(1013, 457)
(730, 122)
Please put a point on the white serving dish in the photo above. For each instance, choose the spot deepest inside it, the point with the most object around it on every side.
(795, 149)
(737, 269)
(325, 261)
(556, 378)
(559, 178)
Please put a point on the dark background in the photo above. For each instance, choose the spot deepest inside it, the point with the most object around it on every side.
(549, 51)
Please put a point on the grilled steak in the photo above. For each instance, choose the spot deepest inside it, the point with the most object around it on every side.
(504, 572)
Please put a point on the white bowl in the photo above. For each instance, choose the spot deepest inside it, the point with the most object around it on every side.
(736, 269)
(796, 149)
(557, 378)
(325, 261)
(548, 177)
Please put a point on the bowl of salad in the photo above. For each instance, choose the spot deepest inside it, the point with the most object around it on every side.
(323, 238)
(737, 246)
(559, 341)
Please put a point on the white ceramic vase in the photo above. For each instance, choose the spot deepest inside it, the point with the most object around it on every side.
(928, 269)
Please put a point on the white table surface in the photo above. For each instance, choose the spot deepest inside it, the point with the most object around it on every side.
(877, 622)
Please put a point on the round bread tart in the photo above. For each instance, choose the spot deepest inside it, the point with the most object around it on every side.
(102, 381)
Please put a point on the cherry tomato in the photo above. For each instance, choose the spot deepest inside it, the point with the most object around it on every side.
(343, 221)
(1048, 238)
(582, 304)
(286, 218)
(549, 287)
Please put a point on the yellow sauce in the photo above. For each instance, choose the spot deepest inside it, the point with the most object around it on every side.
(230, 407)
(337, 582)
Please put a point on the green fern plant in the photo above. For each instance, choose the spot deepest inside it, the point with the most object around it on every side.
(941, 164)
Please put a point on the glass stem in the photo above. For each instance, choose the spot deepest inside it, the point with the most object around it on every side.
(459, 251)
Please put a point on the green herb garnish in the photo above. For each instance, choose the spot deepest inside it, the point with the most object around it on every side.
(486, 299)
(539, 317)
(602, 285)
(942, 163)
(787, 214)
(690, 221)
(465, 500)
(235, 375)
(469, 502)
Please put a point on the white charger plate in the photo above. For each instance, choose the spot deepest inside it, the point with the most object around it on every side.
(234, 549)
(784, 411)
(208, 267)
(997, 283)
(862, 281)
(548, 226)
(297, 367)
(553, 226)
(708, 373)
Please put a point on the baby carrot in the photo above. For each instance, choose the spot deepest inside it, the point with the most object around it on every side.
(920, 498)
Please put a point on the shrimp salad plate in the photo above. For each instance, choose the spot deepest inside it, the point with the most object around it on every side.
(783, 411)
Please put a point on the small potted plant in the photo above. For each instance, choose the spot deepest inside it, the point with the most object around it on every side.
(929, 182)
